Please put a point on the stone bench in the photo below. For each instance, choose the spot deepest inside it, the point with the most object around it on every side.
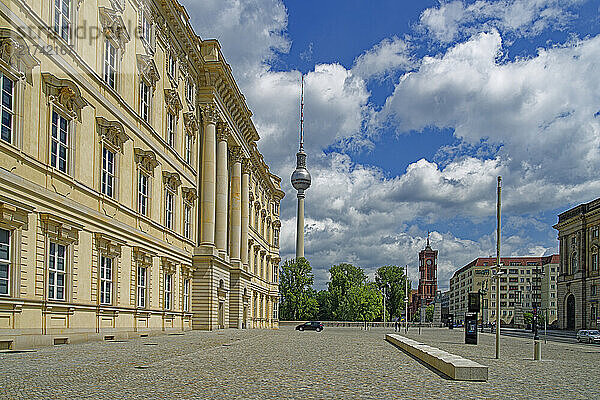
(453, 366)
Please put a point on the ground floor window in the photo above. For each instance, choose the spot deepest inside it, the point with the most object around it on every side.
(168, 289)
(56, 271)
(106, 276)
(141, 287)
(186, 295)
(5, 261)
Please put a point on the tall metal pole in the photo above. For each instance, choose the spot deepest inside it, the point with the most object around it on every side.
(498, 323)
(406, 299)
(384, 306)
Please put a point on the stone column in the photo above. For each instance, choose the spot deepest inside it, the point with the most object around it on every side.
(207, 208)
(245, 211)
(221, 192)
(236, 205)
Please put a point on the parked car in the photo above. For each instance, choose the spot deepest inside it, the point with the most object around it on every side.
(588, 336)
(310, 326)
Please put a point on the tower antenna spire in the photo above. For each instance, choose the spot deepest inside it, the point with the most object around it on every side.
(302, 114)
(427, 238)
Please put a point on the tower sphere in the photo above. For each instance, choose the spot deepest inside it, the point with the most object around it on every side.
(301, 176)
(301, 179)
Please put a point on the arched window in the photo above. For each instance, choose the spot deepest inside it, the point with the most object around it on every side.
(595, 258)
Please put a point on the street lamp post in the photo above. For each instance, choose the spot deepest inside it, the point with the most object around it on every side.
(498, 323)
(406, 299)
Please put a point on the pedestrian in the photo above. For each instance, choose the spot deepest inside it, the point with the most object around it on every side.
(396, 324)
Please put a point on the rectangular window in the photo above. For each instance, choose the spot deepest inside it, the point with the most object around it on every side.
(172, 66)
(60, 142)
(108, 172)
(168, 289)
(189, 92)
(8, 111)
(145, 101)
(595, 232)
(141, 286)
(5, 262)
(188, 149)
(110, 64)
(56, 271)
(276, 237)
(187, 221)
(146, 33)
(593, 290)
(143, 194)
(275, 310)
(169, 203)
(595, 262)
(171, 129)
(106, 280)
(275, 273)
(186, 295)
(62, 19)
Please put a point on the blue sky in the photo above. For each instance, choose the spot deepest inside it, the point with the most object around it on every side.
(413, 108)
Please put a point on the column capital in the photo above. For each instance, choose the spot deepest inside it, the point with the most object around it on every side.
(246, 166)
(235, 154)
(223, 132)
(210, 112)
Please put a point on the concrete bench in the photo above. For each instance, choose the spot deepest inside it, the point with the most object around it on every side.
(453, 366)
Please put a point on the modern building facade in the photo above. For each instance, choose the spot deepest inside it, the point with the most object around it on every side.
(133, 198)
(579, 279)
(524, 282)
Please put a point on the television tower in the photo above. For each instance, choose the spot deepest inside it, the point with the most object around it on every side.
(300, 181)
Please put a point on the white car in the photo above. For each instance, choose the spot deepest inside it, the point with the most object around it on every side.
(588, 336)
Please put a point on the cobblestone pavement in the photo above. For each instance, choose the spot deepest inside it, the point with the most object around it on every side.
(338, 363)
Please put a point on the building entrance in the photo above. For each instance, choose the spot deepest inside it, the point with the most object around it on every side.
(571, 313)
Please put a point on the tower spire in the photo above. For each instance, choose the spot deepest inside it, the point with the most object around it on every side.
(302, 114)
(427, 237)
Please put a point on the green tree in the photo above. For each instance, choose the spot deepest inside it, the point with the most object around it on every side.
(362, 303)
(343, 277)
(325, 310)
(429, 313)
(297, 296)
(393, 279)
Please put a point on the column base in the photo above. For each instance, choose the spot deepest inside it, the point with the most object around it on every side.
(206, 250)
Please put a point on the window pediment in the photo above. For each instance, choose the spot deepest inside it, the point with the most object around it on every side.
(15, 53)
(187, 271)
(114, 27)
(143, 257)
(148, 69)
(189, 194)
(60, 229)
(65, 94)
(171, 180)
(112, 132)
(174, 104)
(169, 266)
(146, 159)
(13, 215)
(191, 123)
(108, 246)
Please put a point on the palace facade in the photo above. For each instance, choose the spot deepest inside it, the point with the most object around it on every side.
(579, 279)
(133, 197)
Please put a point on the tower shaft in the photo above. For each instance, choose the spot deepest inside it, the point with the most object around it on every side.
(300, 226)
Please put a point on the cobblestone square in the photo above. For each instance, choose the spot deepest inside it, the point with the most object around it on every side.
(339, 363)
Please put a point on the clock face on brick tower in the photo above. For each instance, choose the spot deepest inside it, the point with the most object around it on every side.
(429, 262)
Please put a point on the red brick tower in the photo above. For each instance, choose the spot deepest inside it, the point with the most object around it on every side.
(427, 274)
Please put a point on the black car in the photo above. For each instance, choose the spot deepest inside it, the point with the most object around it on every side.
(310, 326)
